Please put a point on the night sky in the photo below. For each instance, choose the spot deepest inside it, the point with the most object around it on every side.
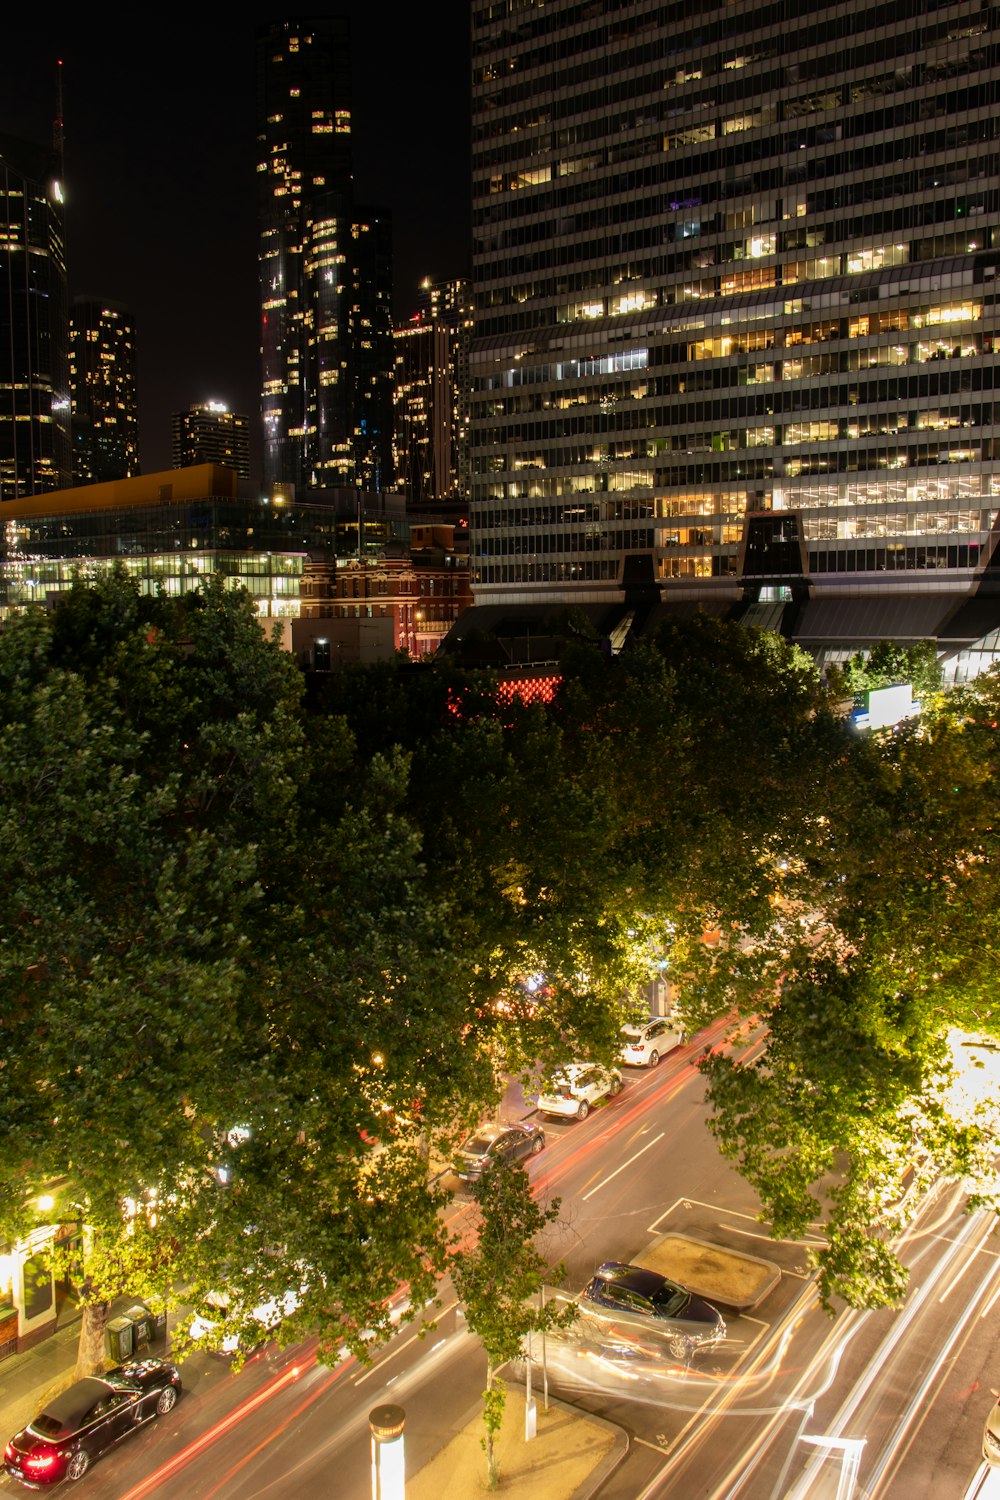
(160, 179)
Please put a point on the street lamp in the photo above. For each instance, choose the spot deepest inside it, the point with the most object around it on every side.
(388, 1464)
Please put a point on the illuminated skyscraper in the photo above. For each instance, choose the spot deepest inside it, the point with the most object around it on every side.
(736, 335)
(324, 269)
(34, 324)
(431, 393)
(210, 433)
(102, 381)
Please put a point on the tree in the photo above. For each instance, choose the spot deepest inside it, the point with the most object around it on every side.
(889, 664)
(498, 1278)
(852, 1085)
(195, 986)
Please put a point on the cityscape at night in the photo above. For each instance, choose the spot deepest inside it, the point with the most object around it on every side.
(499, 778)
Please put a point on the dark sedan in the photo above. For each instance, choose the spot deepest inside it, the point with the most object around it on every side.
(497, 1142)
(647, 1302)
(94, 1414)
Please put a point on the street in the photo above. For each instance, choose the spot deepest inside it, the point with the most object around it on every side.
(791, 1405)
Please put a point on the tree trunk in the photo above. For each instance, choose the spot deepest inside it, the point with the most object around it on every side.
(90, 1356)
(491, 1458)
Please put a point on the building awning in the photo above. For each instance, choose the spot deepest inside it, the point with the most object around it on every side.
(971, 621)
(846, 622)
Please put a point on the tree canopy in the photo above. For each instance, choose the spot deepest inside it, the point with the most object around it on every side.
(261, 954)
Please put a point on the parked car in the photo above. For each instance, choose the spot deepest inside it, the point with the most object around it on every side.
(576, 1088)
(647, 1302)
(645, 1042)
(991, 1434)
(249, 1329)
(92, 1416)
(490, 1143)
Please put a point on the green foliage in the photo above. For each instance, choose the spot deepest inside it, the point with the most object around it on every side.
(498, 1278)
(889, 664)
(259, 958)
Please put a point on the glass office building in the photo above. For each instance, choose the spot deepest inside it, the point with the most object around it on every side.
(102, 381)
(172, 530)
(325, 270)
(736, 325)
(35, 450)
(431, 436)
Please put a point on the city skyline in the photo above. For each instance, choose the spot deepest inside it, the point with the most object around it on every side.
(161, 193)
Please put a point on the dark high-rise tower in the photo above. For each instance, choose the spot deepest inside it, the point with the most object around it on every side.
(737, 327)
(210, 433)
(34, 324)
(102, 381)
(371, 353)
(323, 268)
(431, 394)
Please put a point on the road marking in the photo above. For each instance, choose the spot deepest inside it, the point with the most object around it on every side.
(604, 1182)
(398, 1349)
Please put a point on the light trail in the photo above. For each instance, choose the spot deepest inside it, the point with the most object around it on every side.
(968, 1244)
(612, 1175)
(635, 1102)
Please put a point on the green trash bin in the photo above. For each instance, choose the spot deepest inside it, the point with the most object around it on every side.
(118, 1339)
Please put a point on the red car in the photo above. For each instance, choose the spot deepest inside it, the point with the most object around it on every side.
(93, 1415)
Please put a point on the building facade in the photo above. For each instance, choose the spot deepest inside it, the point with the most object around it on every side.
(170, 531)
(105, 407)
(371, 350)
(431, 426)
(324, 267)
(209, 433)
(35, 452)
(422, 589)
(736, 318)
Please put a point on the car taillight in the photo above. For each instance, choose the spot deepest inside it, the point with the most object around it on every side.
(639, 1046)
(10, 1453)
(37, 1463)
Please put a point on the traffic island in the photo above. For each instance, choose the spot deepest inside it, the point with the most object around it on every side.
(730, 1277)
(569, 1458)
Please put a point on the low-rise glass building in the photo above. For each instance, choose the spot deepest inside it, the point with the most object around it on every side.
(172, 530)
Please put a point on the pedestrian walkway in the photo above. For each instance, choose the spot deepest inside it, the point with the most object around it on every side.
(26, 1379)
(569, 1458)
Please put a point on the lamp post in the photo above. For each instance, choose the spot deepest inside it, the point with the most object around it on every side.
(388, 1464)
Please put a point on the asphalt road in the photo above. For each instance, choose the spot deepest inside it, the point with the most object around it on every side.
(793, 1406)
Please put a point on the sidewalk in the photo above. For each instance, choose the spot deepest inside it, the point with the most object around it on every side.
(26, 1378)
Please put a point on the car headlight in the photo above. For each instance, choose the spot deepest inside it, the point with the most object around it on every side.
(991, 1441)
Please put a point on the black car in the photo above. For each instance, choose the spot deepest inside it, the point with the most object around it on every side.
(497, 1142)
(644, 1301)
(94, 1414)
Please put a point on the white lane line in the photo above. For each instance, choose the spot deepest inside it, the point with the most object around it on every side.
(604, 1182)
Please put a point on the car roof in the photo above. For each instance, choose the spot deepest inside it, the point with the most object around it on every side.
(635, 1278)
(70, 1408)
(487, 1132)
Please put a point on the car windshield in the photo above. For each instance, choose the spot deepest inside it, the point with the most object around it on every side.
(46, 1426)
(670, 1301)
(477, 1145)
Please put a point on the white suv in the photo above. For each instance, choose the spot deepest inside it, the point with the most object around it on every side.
(645, 1042)
(578, 1086)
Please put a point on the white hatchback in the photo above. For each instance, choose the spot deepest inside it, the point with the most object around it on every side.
(645, 1042)
(248, 1332)
(577, 1087)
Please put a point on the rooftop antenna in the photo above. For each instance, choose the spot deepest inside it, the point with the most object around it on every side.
(58, 134)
